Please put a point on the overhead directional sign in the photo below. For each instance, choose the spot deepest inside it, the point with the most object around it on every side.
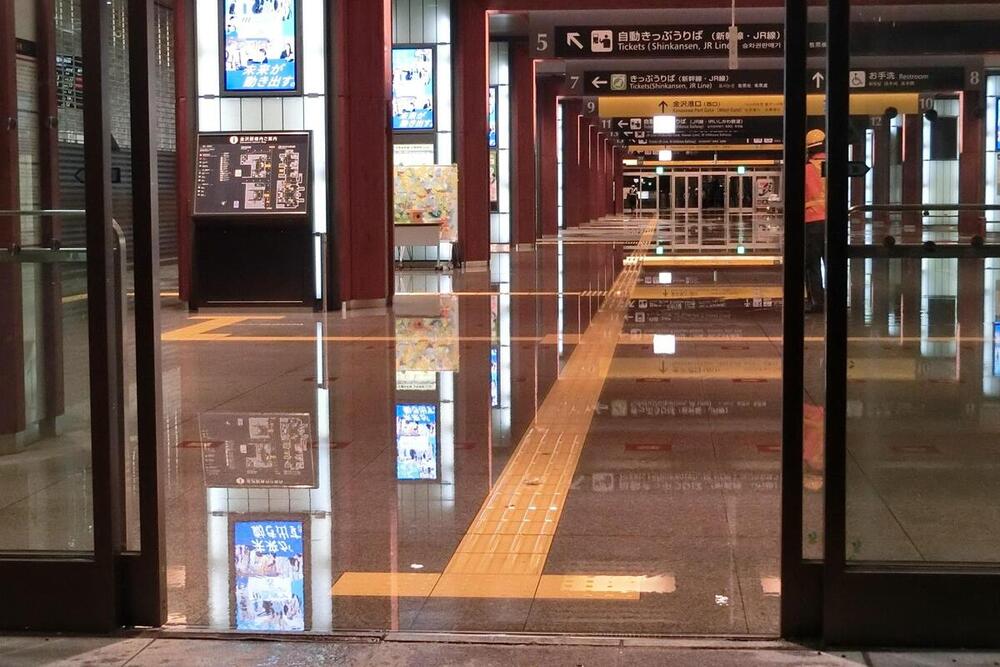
(899, 79)
(681, 82)
(868, 104)
(643, 41)
(697, 131)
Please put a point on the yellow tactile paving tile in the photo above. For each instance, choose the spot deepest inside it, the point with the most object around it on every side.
(207, 328)
(385, 584)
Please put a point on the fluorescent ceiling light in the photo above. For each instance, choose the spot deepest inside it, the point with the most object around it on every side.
(664, 124)
(666, 278)
(666, 156)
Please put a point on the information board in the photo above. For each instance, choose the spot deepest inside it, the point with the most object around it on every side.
(694, 81)
(252, 173)
(644, 41)
(694, 131)
(257, 450)
(260, 45)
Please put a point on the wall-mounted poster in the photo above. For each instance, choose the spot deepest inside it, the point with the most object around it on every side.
(427, 194)
(261, 40)
(413, 88)
(263, 450)
(416, 442)
(491, 111)
(252, 173)
(494, 181)
(269, 563)
(996, 349)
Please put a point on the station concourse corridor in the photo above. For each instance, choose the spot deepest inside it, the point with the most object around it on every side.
(501, 321)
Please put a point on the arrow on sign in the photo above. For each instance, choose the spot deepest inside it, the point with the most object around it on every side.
(598, 82)
(818, 79)
(663, 106)
(622, 124)
(857, 168)
(573, 39)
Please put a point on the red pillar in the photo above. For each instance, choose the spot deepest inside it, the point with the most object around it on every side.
(572, 178)
(523, 112)
(972, 162)
(12, 417)
(913, 165)
(619, 183)
(548, 180)
(609, 178)
(471, 63)
(363, 141)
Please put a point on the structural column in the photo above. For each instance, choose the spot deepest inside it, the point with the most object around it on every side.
(12, 417)
(619, 184)
(472, 75)
(548, 161)
(972, 162)
(523, 112)
(913, 165)
(572, 181)
(361, 146)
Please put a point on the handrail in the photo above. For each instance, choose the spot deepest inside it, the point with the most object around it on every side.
(907, 208)
(44, 212)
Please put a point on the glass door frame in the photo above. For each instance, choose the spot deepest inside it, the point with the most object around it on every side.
(684, 177)
(842, 602)
(107, 588)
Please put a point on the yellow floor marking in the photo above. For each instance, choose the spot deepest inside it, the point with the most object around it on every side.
(670, 292)
(207, 327)
(505, 548)
(386, 584)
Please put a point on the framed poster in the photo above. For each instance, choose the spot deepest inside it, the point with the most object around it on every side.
(413, 88)
(260, 42)
(270, 561)
(416, 442)
(491, 116)
(252, 173)
(427, 194)
(494, 181)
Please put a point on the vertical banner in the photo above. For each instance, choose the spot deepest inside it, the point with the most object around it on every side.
(261, 42)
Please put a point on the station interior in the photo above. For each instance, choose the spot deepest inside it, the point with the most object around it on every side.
(490, 336)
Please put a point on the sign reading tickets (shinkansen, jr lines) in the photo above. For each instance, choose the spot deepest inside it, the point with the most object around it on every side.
(252, 173)
(260, 46)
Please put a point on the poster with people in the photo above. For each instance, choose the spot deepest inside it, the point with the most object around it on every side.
(269, 582)
(260, 46)
(416, 443)
(491, 111)
(413, 88)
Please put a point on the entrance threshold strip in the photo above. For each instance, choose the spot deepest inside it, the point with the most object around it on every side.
(504, 551)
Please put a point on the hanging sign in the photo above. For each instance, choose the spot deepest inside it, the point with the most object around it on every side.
(697, 81)
(644, 41)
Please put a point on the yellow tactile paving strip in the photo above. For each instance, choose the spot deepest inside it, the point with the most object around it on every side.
(504, 550)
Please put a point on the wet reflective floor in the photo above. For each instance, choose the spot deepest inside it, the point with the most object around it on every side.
(538, 448)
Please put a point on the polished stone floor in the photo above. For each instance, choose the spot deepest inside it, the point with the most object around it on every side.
(584, 439)
(413, 651)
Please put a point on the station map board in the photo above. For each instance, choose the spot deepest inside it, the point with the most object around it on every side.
(261, 450)
(255, 173)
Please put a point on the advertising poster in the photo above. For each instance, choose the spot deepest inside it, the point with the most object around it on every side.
(429, 343)
(495, 377)
(259, 46)
(491, 110)
(427, 194)
(494, 181)
(413, 88)
(416, 442)
(257, 450)
(269, 562)
(996, 349)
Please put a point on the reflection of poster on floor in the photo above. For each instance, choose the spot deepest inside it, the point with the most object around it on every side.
(416, 442)
(257, 450)
(269, 562)
(427, 194)
(429, 343)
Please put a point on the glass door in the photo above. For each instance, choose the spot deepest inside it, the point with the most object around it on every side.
(713, 192)
(78, 552)
(911, 535)
(687, 193)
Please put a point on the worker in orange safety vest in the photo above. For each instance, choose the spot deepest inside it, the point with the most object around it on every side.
(815, 231)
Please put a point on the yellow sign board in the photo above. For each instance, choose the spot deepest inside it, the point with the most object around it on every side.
(867, 104)
(674, 292)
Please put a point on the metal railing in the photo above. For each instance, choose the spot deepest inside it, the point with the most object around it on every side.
(969, 245)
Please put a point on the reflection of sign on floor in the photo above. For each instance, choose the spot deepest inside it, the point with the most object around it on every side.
(258, 450)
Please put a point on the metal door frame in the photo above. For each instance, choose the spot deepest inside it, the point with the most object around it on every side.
(108, 588)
